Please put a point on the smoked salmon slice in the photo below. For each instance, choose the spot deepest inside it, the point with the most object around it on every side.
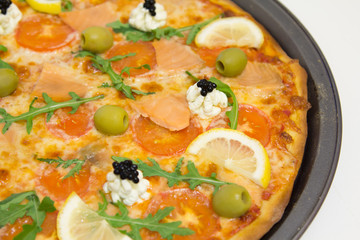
(99, 15)
(171, 55)
(57, 82)
(168, 111)
(258, 74)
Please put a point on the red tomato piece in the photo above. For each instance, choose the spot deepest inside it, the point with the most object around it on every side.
(67, 126)
(252, 121)
(192, 207)
(52, 184)
(48, 226)
(209, 55)
(43, 33)
(161, 141)
(145, 54)
(11, 230)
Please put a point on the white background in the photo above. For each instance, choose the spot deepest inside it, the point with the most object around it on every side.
(335, 26)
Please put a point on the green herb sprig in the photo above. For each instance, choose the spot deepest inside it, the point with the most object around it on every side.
(49, 108)
(104, 65)
(14, 207)
(134, 35)
(65, 164)
(2, 63)
(66, 6)
(151, 222)
(233, 114)
(193, 176)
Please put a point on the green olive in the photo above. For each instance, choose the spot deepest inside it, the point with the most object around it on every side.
(111, 120)
(231, 201)
(231, 62)
(8, 81)
(96, 39)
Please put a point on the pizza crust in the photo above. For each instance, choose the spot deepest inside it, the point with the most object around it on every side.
(272, 209)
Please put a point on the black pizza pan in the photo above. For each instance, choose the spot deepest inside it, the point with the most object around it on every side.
(324, 118)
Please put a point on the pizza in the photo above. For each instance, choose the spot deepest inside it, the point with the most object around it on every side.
(129, 119)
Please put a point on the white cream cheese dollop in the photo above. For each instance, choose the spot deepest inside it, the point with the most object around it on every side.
(141, 19)
(9, 21)
(208, 106)
(125, 190)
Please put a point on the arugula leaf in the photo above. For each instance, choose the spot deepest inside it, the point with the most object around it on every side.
(192, 177)
(3, 48)
(66, 6)
(192, 76)
(65, 164)
(14, 199)
(166, 230)
(2, 63)
(233, 114)
(12, 209)
(49, 108)
(134, 35)
(119, 159)
(104, 65)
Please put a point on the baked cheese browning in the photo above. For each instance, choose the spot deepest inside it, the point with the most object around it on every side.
(272, 100)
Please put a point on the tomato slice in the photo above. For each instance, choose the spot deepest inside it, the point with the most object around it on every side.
(11, 230)
(209, 55)
(161, 141)
(191, 207)
(67, 126)
(252, 121)
(145, 54)
(43, 33)
(48, 226)
(51, 183)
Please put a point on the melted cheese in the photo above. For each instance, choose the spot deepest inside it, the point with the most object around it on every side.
(19, 150)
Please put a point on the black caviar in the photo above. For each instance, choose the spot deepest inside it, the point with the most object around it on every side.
(127, 170)
(4, 5)
(206, 86)
(150, 5)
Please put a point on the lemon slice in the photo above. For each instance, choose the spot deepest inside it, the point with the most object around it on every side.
(235, 151)
(232, 31)
(46, 6)
(77, 221)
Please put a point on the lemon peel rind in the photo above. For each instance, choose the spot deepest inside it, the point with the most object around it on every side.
(262, 174)
(45, 6)
(256, 33)
(77, 221)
